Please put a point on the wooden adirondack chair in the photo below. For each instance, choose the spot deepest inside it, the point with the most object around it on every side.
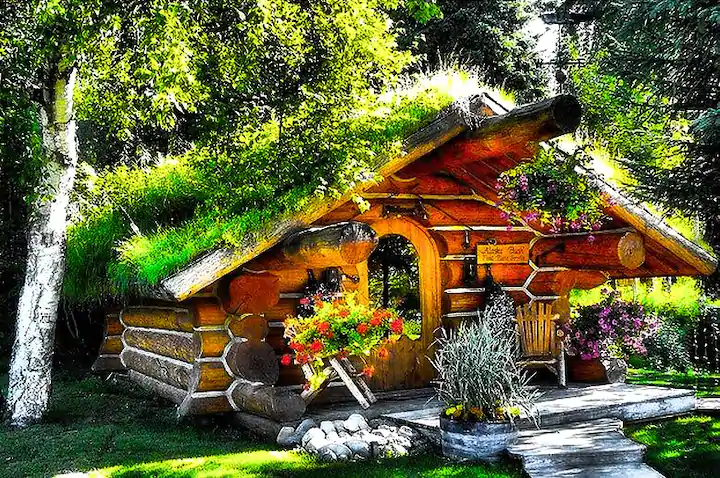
(540, 344)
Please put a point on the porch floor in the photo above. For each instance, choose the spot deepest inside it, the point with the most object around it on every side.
(577, 403)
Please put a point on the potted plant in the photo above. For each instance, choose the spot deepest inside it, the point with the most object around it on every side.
(481, 384)
(600, 337)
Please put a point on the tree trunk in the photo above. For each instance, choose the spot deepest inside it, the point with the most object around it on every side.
(31, 365)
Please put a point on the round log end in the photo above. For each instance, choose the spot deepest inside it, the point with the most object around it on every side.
(631, 250)
(254, 361)
(566, 113)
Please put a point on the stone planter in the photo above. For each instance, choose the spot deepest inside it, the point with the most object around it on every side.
(477, 441)
(607, 370)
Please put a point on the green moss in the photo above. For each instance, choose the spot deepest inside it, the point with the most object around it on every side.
(138, 225)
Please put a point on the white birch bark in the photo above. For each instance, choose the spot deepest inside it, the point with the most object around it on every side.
(31, 365)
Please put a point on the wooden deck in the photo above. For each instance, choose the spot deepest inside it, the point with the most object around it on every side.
(578, 402)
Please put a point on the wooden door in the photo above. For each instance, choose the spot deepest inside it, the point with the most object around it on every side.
(408, 366)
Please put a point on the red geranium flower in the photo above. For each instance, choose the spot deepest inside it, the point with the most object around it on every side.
(304, 301)
(323, 328)
(286, 360)
(344, 313)
(397, 326)
(316, 346)
(362, 329)
(369, 371)
(375, 321)
(302, 359)
(297, 347)
(383, 353)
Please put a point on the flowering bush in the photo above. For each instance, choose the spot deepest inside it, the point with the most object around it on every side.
(610, 328)
(550, 191)
(343, 327)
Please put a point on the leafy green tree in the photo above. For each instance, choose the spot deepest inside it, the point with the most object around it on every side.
(490, 35)
(145, 78)
(650, 73)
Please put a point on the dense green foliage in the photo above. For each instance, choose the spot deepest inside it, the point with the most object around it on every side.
(650, 71)
(687, 447)
(118, 430)
(489, 35)
(140, 224)
(680, 305)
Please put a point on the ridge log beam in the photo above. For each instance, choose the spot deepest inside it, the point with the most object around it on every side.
(603, 251)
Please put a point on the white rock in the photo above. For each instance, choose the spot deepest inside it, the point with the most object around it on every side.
(328, 427)
(390, 428)
(316, 444)
(380, 440)
(310, 434)
(394, 450)
(336, 452)
(355, 422)
(302, 429)
(400, 440)
(339, 427)
(407, 431)
(332, 436)
(360, 448)
(286, 437)
(382, 432)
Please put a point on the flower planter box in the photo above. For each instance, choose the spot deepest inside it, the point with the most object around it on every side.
(477, 441)
(610, 370)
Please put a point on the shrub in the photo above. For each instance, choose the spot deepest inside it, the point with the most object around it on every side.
(478, 372)
(667, 349)
(610, 328)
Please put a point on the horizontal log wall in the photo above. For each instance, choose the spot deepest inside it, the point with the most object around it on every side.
(109, 356)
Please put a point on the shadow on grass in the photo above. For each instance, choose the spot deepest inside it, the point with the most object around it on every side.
(686, 447)
(118, 430)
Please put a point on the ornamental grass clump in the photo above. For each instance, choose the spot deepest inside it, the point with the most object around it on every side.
(612, 328)
(340, 328)
(478, 373)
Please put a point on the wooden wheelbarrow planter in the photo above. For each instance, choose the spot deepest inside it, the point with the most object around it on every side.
(343, 370)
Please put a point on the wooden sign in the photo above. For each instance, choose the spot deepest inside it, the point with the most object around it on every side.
(503, 253)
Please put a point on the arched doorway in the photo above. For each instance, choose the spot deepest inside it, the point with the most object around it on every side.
(408, 366)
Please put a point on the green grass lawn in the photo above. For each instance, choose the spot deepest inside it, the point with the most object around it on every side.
(706, 384)
(116, 430)
(687, 447)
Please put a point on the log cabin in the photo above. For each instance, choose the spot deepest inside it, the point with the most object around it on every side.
(210, 337)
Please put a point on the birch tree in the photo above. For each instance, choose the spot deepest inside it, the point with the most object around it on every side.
(45, 46)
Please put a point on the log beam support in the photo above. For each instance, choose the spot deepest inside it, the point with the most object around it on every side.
(598, 252)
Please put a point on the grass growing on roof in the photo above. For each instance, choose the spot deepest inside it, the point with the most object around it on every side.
(139, 225)
(115, 429)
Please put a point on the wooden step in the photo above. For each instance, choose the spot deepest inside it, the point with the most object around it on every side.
(592, 444)
(614, 471)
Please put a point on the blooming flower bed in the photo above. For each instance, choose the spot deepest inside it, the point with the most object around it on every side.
(610, 328)
(341, 328)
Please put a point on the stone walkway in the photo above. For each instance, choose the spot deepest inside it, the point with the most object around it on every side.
(708, 405)
(581, 429)
(595, 449)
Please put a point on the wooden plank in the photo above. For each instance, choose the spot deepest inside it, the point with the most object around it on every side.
(207, 311)
(157, 387)
(170, 318)
(349, 383)
(113, 326)
(210, 343)
(169, 371)
(209, 375)
(111, 345)
(503, 253)
(169, 343)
